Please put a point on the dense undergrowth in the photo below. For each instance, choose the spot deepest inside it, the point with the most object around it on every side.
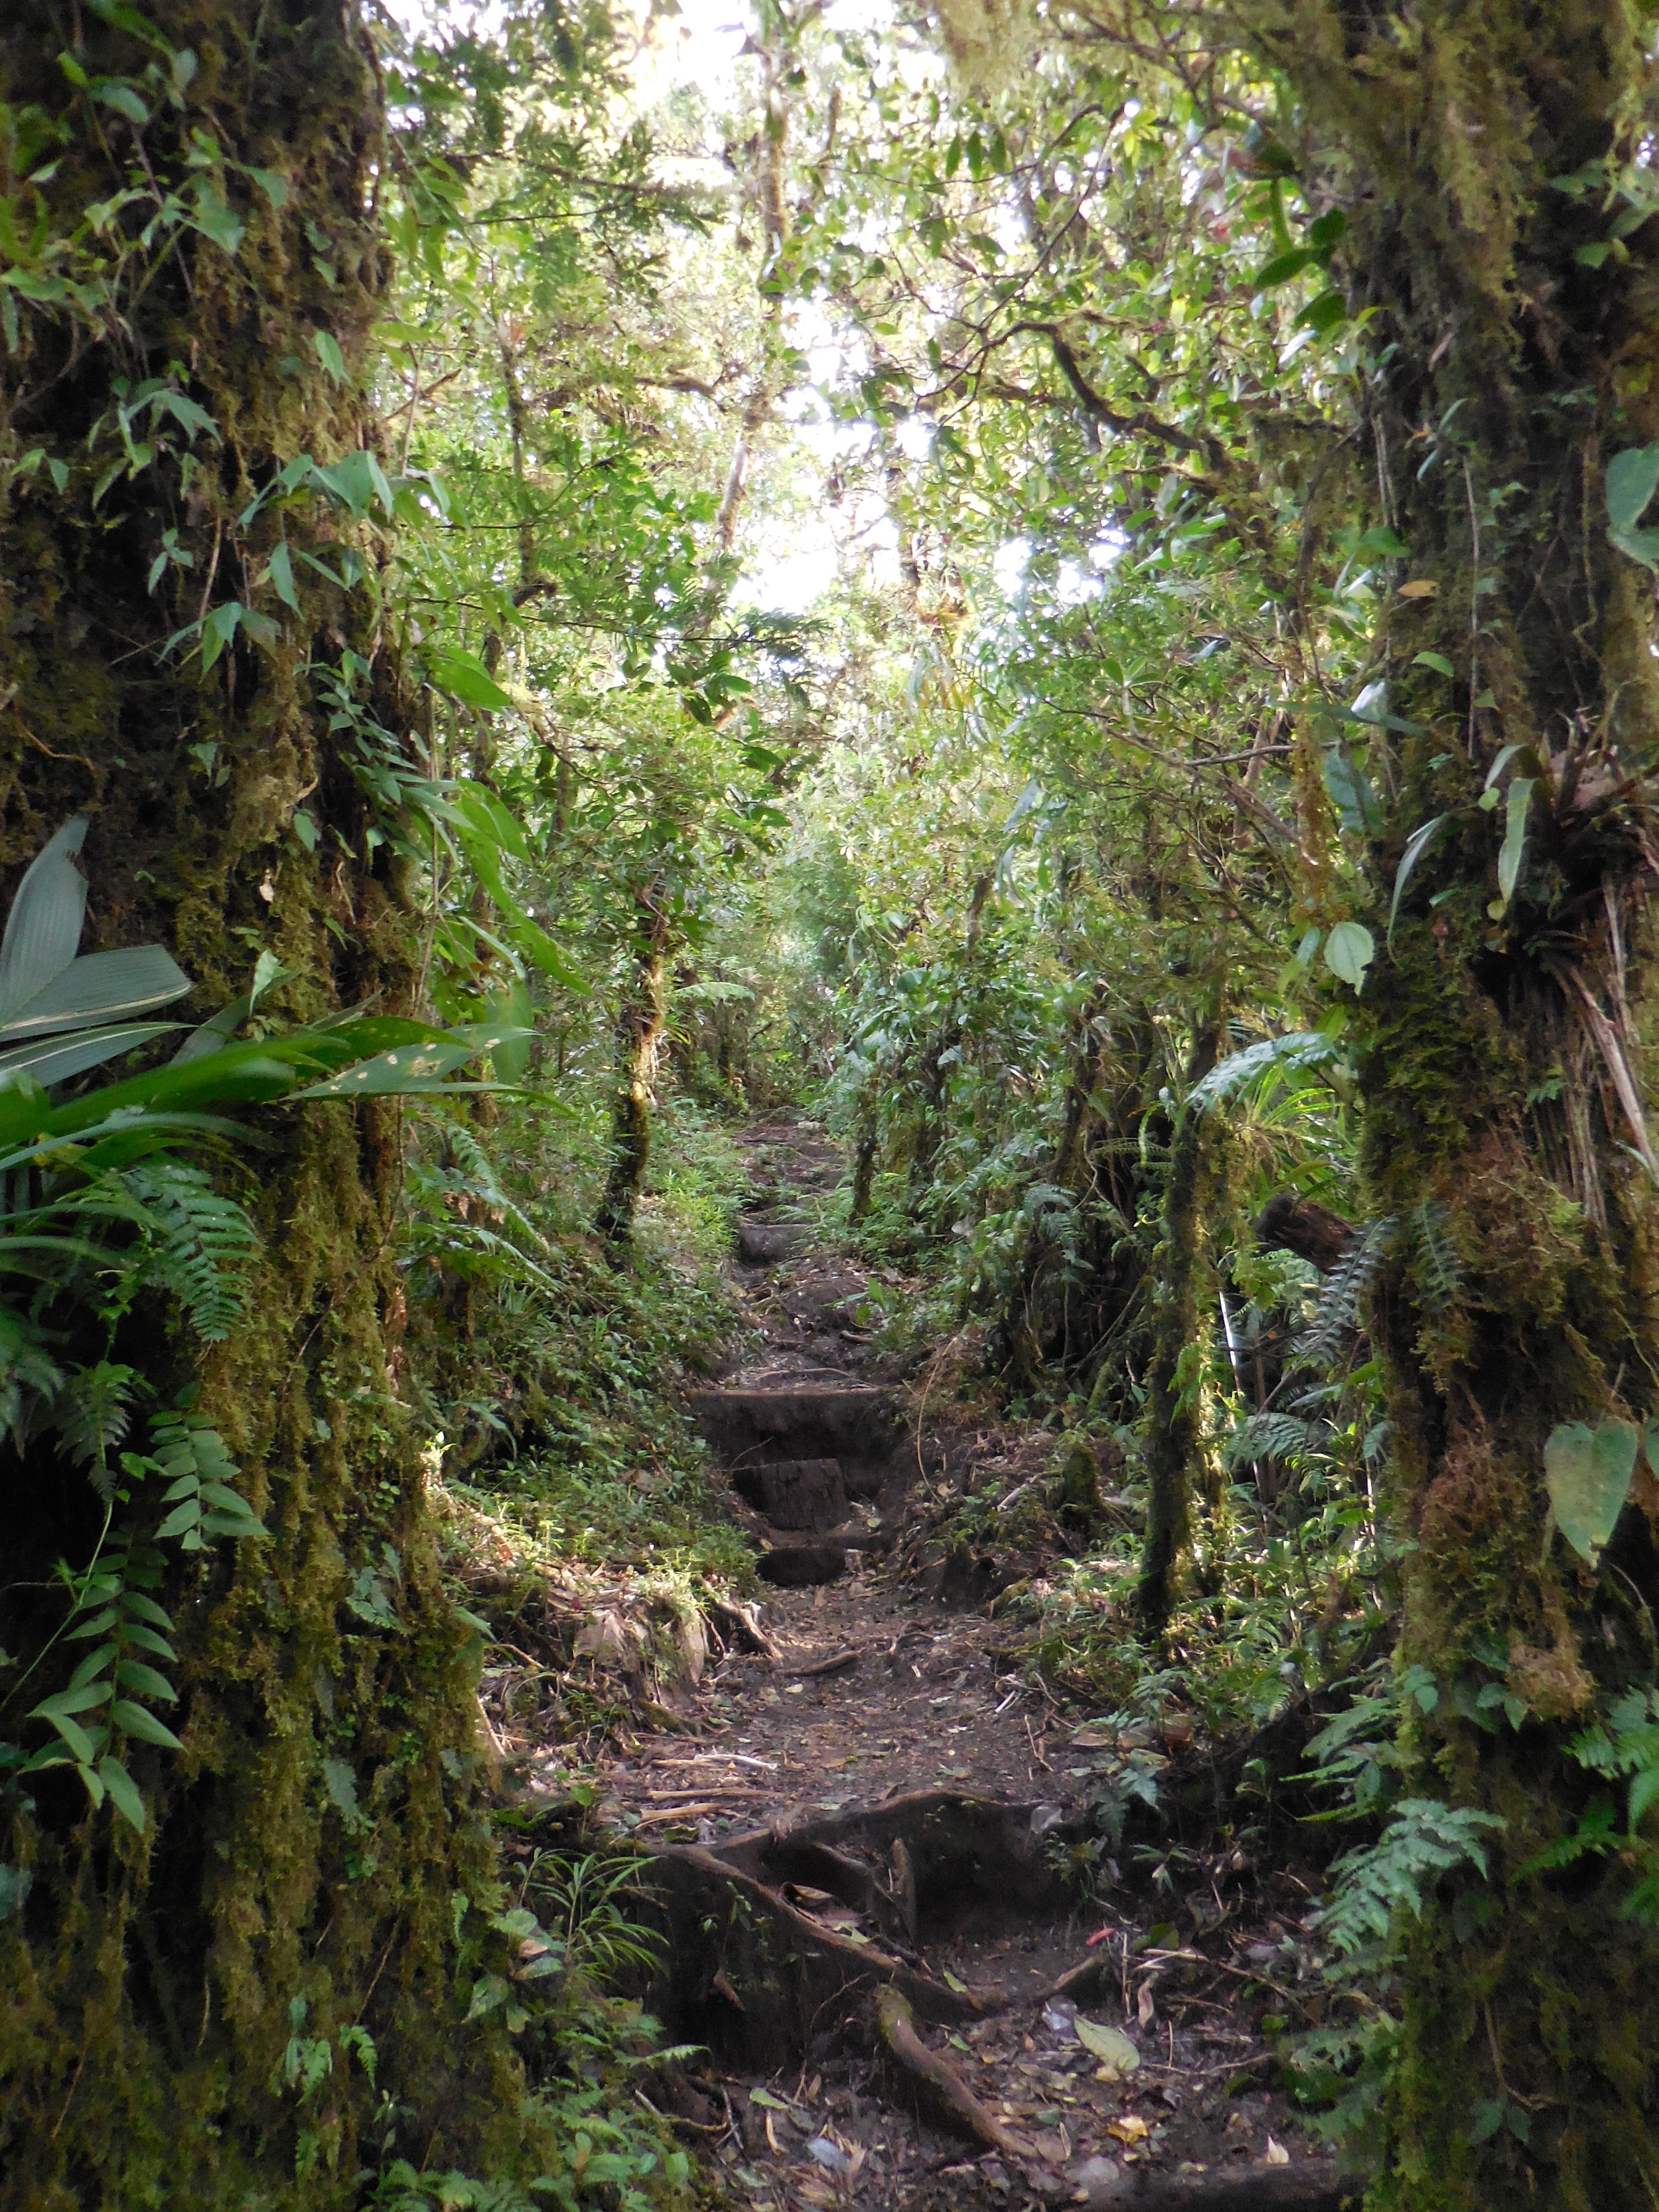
(1195, 849)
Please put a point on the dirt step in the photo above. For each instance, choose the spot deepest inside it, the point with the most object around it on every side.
(752, 1975)
(765, 1243)
(795, 1493)
(861, 1426)
(801, 1566)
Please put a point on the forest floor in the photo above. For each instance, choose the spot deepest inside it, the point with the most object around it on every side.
(865, 1787)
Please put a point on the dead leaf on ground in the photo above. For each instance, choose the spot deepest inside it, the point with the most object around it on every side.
(1116, 2054)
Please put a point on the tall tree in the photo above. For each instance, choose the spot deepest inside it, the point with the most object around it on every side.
(193, 653)
(1497, 278)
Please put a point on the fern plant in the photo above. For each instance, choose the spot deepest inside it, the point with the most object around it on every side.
(100, 1211)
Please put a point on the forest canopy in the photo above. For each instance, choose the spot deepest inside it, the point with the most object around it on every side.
(1061, 598)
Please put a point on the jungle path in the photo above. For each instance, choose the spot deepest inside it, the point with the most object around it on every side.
(860, 1832)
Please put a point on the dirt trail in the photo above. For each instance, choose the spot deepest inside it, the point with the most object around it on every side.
(872, 1798)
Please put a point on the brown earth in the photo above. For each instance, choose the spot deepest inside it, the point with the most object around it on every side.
(874, 1795)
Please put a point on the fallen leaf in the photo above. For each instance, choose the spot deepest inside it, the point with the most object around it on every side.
(1420, 587)
(1054, 2146)
(1276, 2154)
(1145, 2009)
(1128, 2128)
(1116, 2054)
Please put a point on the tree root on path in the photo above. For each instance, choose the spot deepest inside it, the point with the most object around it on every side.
(753, 1977)
(946, 2097)
(1306, 2187)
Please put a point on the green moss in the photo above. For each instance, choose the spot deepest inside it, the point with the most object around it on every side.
(148, 1997)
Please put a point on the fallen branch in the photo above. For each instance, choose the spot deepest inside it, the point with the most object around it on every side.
(740, 1625)
(835, 1664)
(951, 2101)
(1308, 2186)
(781, 1974)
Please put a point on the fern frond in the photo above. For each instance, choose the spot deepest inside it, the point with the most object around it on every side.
(1435, 1262)
(93, 1418)
(198, 1243)
(1271, 1437)
(478, 1179)
(1423, 1840)
(1339, 1305)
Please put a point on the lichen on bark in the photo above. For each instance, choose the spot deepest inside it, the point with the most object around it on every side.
(1479, 154)
(309, 1854)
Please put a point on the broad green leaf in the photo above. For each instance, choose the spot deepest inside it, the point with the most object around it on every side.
(1416, 845)
(216, 220)
(464, 677)
(80, 1699)
(488, 1991)
(1641, 545)
(1589, 1474)
(80, 1744)
(1303, 1048)
(133, 1675)
(487, 816)
(1515, 835)
(114, 91)
(540, 950)
(1325, 233)
(44, 926)
(281, 575)
(342, 1785)
(327, 347)
(139, 1721)
(214, 1033)
(1109, 2044)
(1351, 792)
(408, 1069)
(49, 1061)
(1325, 313)
(1632, 479)
(122, 1790)
(1283, 267)
(98, 987)
(1349, 950)
(1437, 661)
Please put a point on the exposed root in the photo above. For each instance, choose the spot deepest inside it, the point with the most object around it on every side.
(753, 1976)
(949, 2100)
(1304, 2188)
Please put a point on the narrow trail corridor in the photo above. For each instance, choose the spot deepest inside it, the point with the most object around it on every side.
(873, 1798)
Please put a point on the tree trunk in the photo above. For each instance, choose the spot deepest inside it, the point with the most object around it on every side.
(943, 1051)
(865, 1152)
(641, 1019)
(1022, 1328)
(297, 1873)
(1483, 163)
(1173, 1425)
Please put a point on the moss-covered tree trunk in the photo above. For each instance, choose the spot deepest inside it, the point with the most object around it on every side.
(1022, 1325)
(297, 1875)
(1493, 160)
(642, 1018)
(1182, 1334)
